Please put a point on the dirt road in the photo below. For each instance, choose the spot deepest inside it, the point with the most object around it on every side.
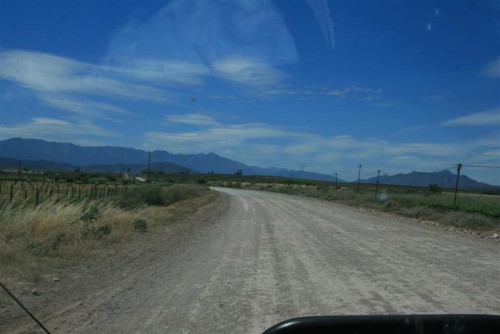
(252, 259)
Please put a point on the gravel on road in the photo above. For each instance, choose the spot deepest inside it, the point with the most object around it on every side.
(251, 259)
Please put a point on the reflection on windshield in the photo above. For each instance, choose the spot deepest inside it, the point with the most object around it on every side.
(313, 85)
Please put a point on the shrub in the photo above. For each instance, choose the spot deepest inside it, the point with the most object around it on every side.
(140, 225)
(39, 248)
(158, 195)
(149, 195)
(89, 213)
(434, 189)
(152, 195)
(96, 232)
(36, 247)
(467, 220)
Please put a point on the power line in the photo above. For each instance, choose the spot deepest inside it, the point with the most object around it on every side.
(481, 166)
(366, 175)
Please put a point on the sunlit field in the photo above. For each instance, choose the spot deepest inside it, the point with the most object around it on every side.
(68, 221)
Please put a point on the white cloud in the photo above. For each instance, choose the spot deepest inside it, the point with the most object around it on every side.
(48, 74)
(266, 145)
(484, 118)
(301, 149)
(492, 153)
(362, 93)
(54, 129)
(164, 71)
(338, 92)
(79, 106)
(492, 69)
(223, 97)
(50, 121)
(192, 119)
(247, 71)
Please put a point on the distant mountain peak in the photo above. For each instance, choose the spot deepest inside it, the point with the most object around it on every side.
(37, 149)
(444, 179)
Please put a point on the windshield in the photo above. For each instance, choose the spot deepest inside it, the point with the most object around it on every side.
(321, 86)
(391, 107)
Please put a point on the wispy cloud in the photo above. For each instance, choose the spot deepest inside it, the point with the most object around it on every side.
(305, 148)
(223, 97)
(48, 74)
(163, 71)
(55, 129)
(50, 121)
(79, 106)
(356, 91)
(193, 119)
(483, 118)
(247, 71)
(88, 90)
(492, 69)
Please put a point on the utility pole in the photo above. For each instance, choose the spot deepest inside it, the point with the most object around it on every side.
(336, 185)
(18, 169)
(459, 166)
(149, 165)
(376, 186)
(359, 174)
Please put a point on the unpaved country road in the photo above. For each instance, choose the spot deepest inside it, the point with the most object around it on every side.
(253, 259)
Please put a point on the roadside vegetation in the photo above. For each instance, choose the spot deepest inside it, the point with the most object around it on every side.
(60, 230)
(473, 210)
(54, 220)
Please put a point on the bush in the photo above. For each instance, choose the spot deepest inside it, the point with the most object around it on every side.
(142, 195)
(96, 232)
(467, 220)
(434, 189)
(40, 248)
(140, 225)
(36, 247)
(152, 195)
(89, 213)
(157, 195)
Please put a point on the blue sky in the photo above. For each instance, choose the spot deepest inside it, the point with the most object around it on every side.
(317, 85)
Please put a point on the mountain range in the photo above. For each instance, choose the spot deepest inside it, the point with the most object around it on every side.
(89, 158)
(444, 179)
(43, 155)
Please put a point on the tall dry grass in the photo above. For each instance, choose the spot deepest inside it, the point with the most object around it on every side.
(36, 240)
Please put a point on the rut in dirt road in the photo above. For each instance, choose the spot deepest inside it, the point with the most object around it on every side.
(269, 257)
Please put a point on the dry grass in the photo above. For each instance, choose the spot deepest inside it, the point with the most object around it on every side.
(35, 241)
(473, 211)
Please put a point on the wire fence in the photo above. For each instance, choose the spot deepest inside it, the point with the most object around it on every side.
(36, 192)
